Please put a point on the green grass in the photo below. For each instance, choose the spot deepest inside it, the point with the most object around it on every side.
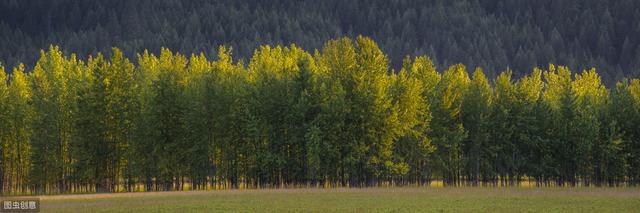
(404, 199)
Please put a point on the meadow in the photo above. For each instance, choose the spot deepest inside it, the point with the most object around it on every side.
(392, 199)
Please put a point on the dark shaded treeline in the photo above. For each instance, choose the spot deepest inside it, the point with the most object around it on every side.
(493, 34)
(337, 117)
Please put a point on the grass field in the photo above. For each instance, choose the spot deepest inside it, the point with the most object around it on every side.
(403, 199)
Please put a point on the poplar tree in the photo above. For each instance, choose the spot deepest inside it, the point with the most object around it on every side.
(626, 105)
(448, 131)
(339, 117)
(505, 148)
(109, 105)
(16, 131)
(591, 97)
(92, 151)
(168, 125)
(4, 120)
(234, 125)
(410, 100)
(53, 102)
(144, 164)
(377, 126)
(565, 146)
(279, 77)
(198, 121)
(476, 111)
(336, 60)
(531, 131)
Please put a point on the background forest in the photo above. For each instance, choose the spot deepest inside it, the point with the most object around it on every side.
(467, 93)
(288, 118)
(492, 34)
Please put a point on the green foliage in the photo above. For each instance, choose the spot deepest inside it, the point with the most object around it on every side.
(54, 102)
(448, 131)
(476, 111)
(16, 131)
(105, 123)
(626, 112)
(413, 90)
(339, 117)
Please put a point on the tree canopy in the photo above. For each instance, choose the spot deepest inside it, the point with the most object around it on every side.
(492, 34)
(340, 116)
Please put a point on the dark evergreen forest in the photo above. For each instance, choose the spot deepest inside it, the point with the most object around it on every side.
(519, 34)
(113, 96)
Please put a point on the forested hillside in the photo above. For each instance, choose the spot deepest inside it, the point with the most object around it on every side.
(492, 34)
(286, 117)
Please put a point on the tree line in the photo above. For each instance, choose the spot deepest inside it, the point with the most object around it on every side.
(493, 34)
(336, 117)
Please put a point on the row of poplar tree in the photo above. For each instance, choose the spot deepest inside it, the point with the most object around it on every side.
(337, 117)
